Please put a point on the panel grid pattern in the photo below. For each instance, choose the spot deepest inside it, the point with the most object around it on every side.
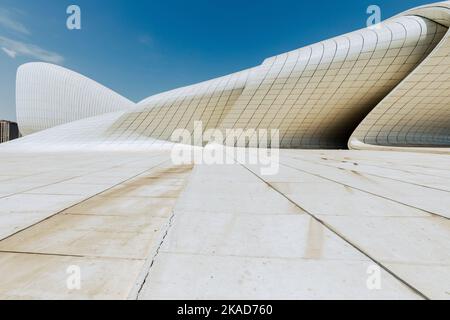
(416, 113)
(49, 95)
(316, 96)
(160, 115)
(390, 83)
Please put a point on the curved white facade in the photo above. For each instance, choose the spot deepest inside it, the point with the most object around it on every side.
(417, 112)
(383, 86)
(48, 95)
(316, 96)
(100, 191)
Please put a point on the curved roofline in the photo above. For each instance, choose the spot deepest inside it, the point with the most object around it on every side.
(429, 11)
(34, 63)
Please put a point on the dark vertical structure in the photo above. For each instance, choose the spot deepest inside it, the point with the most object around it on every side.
(8, 131)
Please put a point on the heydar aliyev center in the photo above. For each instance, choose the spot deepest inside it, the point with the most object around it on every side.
(92, 205)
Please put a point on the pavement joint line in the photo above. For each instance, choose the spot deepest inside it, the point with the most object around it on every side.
(368, 192)
(108, 215)
(329, 227)
(243, 213)
(144, 274)
(27, 191)
(372, 174)
(42, 186)
(110, 197)
(153, 258)
(206, 254)
(370, 164)
(78, 203)
(69, 255)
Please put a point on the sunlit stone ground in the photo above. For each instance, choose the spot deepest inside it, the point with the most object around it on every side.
(138, 226)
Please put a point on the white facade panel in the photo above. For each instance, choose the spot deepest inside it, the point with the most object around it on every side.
(48, 95)
(390, 84)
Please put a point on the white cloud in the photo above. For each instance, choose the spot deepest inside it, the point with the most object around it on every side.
(10, 53)
(15, 48)
(8, 21)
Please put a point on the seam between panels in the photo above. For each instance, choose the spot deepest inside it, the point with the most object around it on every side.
(201, 92)
(229, 86)
(415, 127)
(288, 125)
(83, 201)
(260, 105)
(365, 191)
(270, 107)
(144, 273)
(362, 83)
(361, 125)
(164, 110)
(342, 237)
(403, 45)
(394, 100)
(345, 60)
(384, 56)
(219, 87)
(221, 118)
(294, 136)
(226, 93)
(193, 105)
(418, 64)
(374, 175)
(242, 109)
(319, 129)
(320, 81)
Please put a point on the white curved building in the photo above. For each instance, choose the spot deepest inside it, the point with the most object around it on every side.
(48, 95)
(384, 86)
(417, 112)
(95, 188)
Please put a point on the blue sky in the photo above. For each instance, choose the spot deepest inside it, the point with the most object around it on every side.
(139, 48)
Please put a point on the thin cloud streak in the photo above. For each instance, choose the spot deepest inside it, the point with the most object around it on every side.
(15, 48)
(8, 21)
(10, 53)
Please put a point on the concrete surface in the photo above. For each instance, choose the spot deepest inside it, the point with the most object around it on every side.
(139, 227)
